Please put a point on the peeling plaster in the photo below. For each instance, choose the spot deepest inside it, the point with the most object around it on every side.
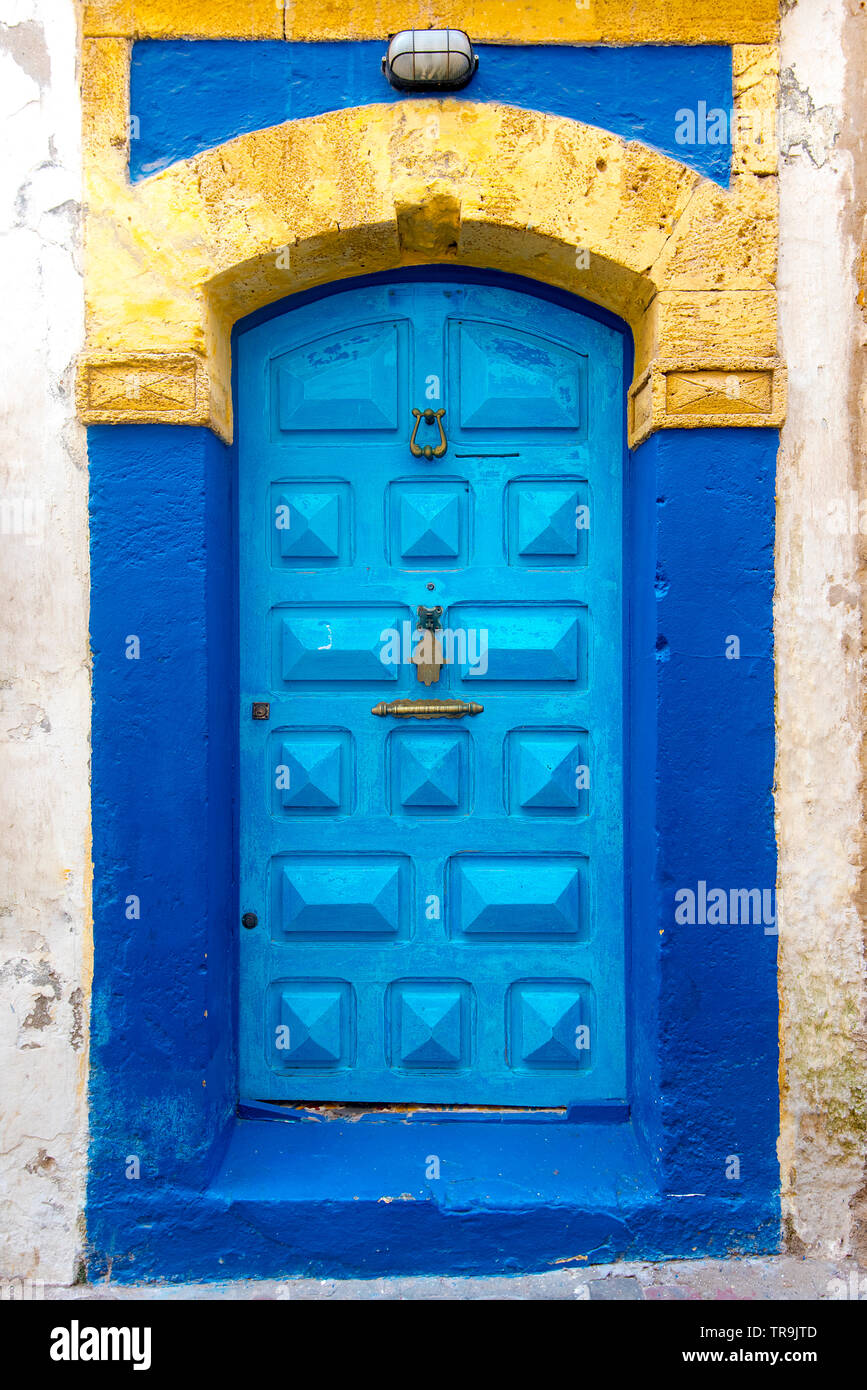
(819, 626)
(44, 677)
(26, 44)
(854, 141)
(805, 128)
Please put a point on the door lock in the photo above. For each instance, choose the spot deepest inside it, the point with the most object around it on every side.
(249, 920)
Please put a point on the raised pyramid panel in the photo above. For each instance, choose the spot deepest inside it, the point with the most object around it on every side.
(429, 1024)
(311, 1024)
(550, 1025)
(429, 772)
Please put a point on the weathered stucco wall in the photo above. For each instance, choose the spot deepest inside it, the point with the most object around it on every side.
(489, 21)
(820, 629)
(44, 676)
(45, 891)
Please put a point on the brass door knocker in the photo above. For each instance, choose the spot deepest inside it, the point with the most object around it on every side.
(429, 416)
(428, 656)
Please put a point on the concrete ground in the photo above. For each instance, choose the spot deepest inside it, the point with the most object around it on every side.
(785, 1277)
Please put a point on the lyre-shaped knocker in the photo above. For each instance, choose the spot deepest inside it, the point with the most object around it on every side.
(429, 416)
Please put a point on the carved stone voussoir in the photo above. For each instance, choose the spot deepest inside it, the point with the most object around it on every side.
(690, 395)
(150, 387)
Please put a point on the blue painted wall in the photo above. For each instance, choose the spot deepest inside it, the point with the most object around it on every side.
(717, 1038)
(162, 1082)
(190, 96)
(222, 1194)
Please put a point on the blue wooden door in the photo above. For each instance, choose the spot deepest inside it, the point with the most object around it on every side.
(439, 902)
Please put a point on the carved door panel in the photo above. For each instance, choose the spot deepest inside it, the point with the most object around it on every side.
(439, 901)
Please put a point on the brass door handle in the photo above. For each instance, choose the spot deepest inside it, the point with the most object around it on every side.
(429, 416)
(426, 709)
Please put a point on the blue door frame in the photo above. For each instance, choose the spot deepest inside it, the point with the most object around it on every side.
(227, 1191)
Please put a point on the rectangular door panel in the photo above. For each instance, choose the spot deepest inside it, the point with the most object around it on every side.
(340, 642)
(515, 644)
(340, 897)
(517, 898)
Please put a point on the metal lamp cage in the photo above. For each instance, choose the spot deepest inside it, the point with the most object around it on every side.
(430, 59)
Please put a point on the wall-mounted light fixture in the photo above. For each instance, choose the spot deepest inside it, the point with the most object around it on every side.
(429, 60)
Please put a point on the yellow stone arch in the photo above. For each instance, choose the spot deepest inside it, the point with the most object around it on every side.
(175, 260)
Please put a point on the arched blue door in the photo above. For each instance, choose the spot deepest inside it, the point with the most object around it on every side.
(439, 900)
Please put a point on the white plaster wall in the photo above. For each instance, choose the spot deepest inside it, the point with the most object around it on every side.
(44, 658)
(819, 636)
(44, 671)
